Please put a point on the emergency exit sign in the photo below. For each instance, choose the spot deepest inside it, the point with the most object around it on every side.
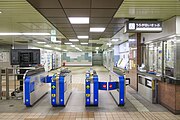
(143, 26)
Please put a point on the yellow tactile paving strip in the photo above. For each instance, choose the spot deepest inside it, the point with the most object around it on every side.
(91, 116)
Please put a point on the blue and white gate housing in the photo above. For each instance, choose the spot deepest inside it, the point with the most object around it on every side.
(61, 89)
(116, 88)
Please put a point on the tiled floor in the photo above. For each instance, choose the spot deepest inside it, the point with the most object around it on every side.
(136, 107)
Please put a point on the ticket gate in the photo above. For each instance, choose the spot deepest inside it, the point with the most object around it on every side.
(35, 86)
(92, 86)
(61, 89)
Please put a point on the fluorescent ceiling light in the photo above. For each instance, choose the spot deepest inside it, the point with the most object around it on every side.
(79, 20)
(47, 45)
(97, 48)
(57, 41)
(115, 40)
(84, 43)
(72, 45)
(36, 33)
(64, 50)
(132, 40)
(83, 37)
(41, 42)
(68, 43)
(57, 48)
(97, 29)
(73, 40)
(24, 34)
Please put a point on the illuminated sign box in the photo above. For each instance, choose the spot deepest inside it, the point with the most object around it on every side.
(143, 26)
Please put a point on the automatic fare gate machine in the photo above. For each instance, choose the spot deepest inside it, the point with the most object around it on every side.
(35, 86)
(92, 85)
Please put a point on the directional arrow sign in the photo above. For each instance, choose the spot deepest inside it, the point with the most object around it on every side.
(53, 87)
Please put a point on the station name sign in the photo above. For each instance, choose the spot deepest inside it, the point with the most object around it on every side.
(143, 26)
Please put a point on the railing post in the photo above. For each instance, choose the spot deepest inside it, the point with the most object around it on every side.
(7, 84)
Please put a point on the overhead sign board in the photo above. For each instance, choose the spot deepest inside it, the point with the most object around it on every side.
(143, 26)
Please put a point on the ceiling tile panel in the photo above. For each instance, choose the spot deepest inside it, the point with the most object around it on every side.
(115, 25)
(52, 12)
(66, 29)
(102, 12)
(100, 20)
(82, 33)
(58, 20)
(98, 25)
(75, 3)
(62, 25)
(77, 12)
(45, 3)
(106, 3)
(79, 29)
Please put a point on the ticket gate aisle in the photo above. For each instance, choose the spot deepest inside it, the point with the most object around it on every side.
(92, 85)
(35, 87)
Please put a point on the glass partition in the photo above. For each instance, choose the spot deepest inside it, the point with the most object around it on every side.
(169, 57)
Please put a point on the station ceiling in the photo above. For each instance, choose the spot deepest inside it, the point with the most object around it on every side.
(45, 15)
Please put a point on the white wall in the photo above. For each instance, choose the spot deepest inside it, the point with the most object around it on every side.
(178, 25)
(169, 28)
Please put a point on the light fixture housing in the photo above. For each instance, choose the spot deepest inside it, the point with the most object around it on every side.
(79, 20)
(73, 40)
(114, 40)
(47, 46)
(84, 43)
(73, 46)
(68, 43)
(97, 29)
(83, 37)
(57, 48)
(41, 42)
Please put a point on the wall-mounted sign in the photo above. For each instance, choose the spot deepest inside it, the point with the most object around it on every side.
(143, 26)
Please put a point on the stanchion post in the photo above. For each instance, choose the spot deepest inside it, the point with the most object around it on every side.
(7, 84)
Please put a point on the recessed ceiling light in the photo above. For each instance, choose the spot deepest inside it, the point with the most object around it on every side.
(47, 45)
(132, 40)
(97, 48)
(79, 20)
(115, 40)
(83, 37)
(97, 29)
(73, 40)
(57, 48)
(84, 43)
(67, 43)
(0, 12)
(41, 42)
(72, 45)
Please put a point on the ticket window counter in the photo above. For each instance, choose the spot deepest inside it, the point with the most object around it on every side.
(148, 88)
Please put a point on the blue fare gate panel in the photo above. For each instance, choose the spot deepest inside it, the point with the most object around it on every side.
(96, 92)
(113, 85)
(87, 95)
(53, 93)
(102, 85)
(61, 91)
(121, 91)
(27, 92)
